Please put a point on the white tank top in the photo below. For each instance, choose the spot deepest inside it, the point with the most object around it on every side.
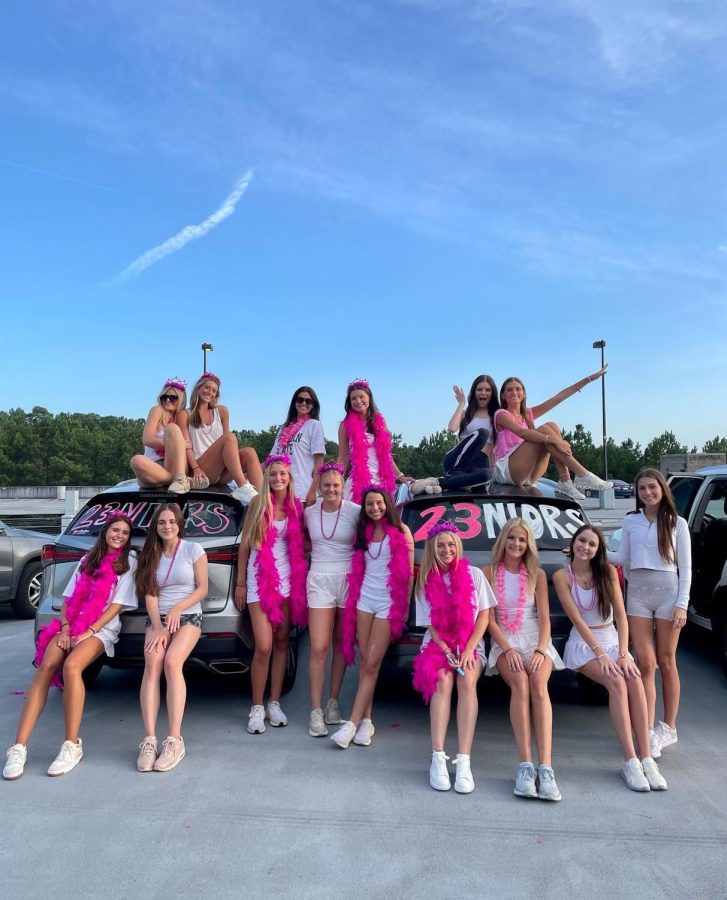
(587, 603)
(512, 593)
(152, 452)
(203, 437)
(377, 558)
(280, 555)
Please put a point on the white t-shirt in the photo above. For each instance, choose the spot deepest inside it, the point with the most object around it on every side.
(177, 581)
(478, 422)
(203, 437)
(308, 442)
(483, 592)
(332, 549)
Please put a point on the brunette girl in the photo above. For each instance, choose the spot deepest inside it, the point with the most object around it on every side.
(590, 594)
(302, 438)
(101, 586)
(163, 461)
(331, 525)
(271, 582)
(212, 453)
(452, 602)
(365, 442)
(377, 605)
(656, 548)
(172, 578)
(523, 653)
(522, 451)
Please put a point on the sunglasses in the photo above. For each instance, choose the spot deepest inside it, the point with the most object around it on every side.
(169, 398)
(306, 400)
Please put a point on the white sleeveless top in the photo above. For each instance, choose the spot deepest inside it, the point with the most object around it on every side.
(373, 461)
(152, 452)
(282, 562)
(587, 603)
(510, 600)
(203, 437)
(375, 585)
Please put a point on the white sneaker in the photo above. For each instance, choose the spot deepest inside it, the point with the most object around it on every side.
(256, 720)
(547, 787)
(275, 714)
(180, 484)
(147, 754)
(332, 713)
(244, 493)
(17, 756)
(173, 752)
(364, 733)
(316, 724)
(568, 489)
(525, 781)
(593, 482)
(345, 734)
(656, 780)
(654, 743)
(438, 774)
(464, 783)
(632, 773)
(69, 756)
(667, 735)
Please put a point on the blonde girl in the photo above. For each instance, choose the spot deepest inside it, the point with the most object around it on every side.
(162, 464)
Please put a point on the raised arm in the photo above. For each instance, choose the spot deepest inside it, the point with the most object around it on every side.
(456, 420)
(542, 408)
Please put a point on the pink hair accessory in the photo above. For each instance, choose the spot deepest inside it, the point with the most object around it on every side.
(176, 382)
(331, 467)
(209, 376)
(357, 383)
(442, 528)
(377, 486)
(277, 457)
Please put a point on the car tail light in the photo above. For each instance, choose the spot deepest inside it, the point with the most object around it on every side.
(223, 555)
(53, 553)
(219, 634)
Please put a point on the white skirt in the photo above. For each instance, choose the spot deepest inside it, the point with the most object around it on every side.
(524, 641)
(577, 652)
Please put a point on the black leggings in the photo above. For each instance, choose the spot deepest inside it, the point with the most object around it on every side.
(466, 465)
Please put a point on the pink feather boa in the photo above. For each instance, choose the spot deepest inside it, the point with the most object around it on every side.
(86, 604)
(397, 583)
(266, 575)
(453, 614)
(361, 477)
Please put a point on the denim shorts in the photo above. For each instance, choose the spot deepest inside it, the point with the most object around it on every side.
(185, 619)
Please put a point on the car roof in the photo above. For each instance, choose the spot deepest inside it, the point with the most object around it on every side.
(132, 487)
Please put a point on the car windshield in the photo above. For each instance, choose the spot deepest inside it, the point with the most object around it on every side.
(480, 520)
(212, 516)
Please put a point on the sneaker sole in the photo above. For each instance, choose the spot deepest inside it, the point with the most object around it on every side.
(341, 745)
(150, 769)
(525, 796)
(332, 722)
(173, 765)
(551, 799)
(256, 730)
(666, 744)
(317, 734)
(464, 790)
(277, 724)
(434, 787)
(13, 777)
(636, 790)
(65, 771)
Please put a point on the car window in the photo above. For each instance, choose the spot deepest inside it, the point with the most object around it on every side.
(684, 490)
(480, 520)
(717, 502)
(212, 516)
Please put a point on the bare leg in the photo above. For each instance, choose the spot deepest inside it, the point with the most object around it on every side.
(281, 648)
(467, 708)
(37, 693)
(338, 663)
(153, 474)
(251, 467)
(220, 461)
(379, 638)
(439, 710)
(639, 715)
(320, 628)
(542, 711)
(519, 707)
(181, 645)
(74, 690)
(149, 692)
(641, 631)
(263, 631)
(525, 459)
(618, 706)
(551, 430)
(667, 638)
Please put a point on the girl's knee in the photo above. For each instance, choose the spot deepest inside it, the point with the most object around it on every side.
(667, 662)
(172, 666)
(647, 665)
(172, 429)
(264, 649)
(520, 684)
(319, 652)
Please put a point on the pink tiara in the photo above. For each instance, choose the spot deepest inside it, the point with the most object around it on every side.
(377, 486)
(358, 383)
(277, 457)
(331, 467)
(209, 376)
(442, 528)
(118, 514)
(176, 382)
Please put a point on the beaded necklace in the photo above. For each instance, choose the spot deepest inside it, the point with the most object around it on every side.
(508, 622)
(577, 593)
(329, 537)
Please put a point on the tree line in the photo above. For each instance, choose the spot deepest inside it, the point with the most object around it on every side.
(40, 447)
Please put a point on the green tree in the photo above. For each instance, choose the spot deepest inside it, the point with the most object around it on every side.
(716, 445)
(660, 446)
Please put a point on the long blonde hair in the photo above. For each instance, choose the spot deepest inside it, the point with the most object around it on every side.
(531, 553)
(430, 559)
(166, 417)
(195, 420)
(261, 512)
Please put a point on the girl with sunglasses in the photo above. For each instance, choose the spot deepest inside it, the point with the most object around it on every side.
(301, 437)
(163, 461)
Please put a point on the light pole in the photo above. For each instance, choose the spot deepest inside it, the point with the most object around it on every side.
(601, 345)
(206, 347)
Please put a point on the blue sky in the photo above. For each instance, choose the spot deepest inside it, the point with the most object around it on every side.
(439, 188)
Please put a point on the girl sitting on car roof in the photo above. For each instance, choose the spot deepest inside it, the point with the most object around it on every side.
(301, 437)
(99, 589)
(522, 450)
(163, 464)
(212, 452)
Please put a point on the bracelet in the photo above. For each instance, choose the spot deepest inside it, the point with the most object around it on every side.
(67, 625)
(594, 647)
(92, 629)
(541, 652)
(508, 650)
(601, 655)
(624, 655)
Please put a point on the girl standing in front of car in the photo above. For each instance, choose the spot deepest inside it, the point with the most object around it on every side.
(212, 452)
(522, 451)
(453, 601)
(656, 548)
(331, 526)
(172, 578)
(590, 595)
(99, 589)
(522, 652)
(377, 605)
(301, 437)
(364, 441)
(271, 572)
(163, 461)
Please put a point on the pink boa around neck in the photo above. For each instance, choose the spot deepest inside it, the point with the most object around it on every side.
(397, 583)
(89, 599)
(358, 451)
(288, 432)
(453, 614)
(266, 574)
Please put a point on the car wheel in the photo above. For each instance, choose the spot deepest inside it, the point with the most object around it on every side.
(25, 603)
(91, 673)
(590, 693)
(291, 670)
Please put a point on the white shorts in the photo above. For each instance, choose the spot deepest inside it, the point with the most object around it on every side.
(501, 472)
(652, 594)
(524, 641)
(378, 607)
(577, 652)
(327, 590)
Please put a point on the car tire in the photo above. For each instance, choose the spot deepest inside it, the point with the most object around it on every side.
(91, 673)
(291, 669)
(590, 693)
(25, 602)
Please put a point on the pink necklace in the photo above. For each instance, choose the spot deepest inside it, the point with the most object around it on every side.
(508, 622)
(381, 547)
(169, 570)
(289, 432)
(329, 537)
(577, 593)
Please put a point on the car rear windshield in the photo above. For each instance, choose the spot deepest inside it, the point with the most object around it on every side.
(203, 516)
(479, 521)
